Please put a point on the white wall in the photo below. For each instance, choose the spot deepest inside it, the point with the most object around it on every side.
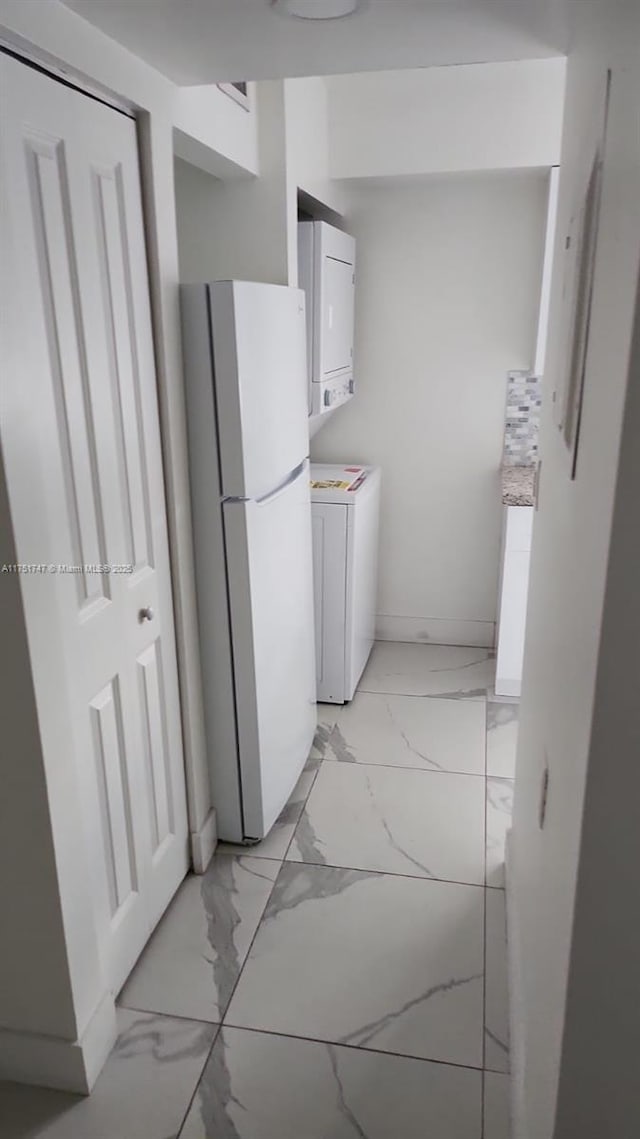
(247, 228)
(576, 883)
(244, 228)
(599, 1086)
(490, 116)
(307, 124)
(213, 130)
(448, 283)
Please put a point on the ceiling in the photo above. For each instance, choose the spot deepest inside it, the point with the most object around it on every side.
(203, 41)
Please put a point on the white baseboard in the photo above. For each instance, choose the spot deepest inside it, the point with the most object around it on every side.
(435, 630)
(67, 1065)
(204, 842)
(516, 1000)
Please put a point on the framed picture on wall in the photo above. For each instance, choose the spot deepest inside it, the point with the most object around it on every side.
(581, 248)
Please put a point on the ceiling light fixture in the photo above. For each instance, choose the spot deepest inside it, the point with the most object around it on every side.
(316, 9)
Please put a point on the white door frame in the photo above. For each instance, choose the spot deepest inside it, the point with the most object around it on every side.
(173, 434)
(167, 348)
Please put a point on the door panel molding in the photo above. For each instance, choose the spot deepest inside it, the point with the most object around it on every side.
(119, 315)
(51, 206)
(114, 794)
(156, 743)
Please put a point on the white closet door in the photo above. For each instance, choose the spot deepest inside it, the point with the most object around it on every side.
(83, 399)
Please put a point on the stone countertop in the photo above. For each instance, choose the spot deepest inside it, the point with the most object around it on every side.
(518, 486)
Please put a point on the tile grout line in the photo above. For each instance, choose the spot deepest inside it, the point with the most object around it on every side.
(304, 805)
(387, 873)
(195, 1090)
(354, 1047)
(250, 947)
(391, 873)
(462, 699)
(223, 1012)
(223, 1023)
(231, 995)
(219, 1025)
(393, 767)
(246, 852)
(170, 1016)
(264, 909)
(450, 697)
(357, 1048)
(405, 767)
(382, 874)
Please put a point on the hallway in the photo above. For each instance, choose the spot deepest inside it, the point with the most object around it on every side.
(356, 959)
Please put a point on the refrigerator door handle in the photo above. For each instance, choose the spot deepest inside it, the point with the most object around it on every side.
(291, 478)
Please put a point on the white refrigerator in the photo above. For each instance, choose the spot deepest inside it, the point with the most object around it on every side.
(245, 374)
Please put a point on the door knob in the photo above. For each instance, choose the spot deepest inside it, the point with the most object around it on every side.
(146, 614)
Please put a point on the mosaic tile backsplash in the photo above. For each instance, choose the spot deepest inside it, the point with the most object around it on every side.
(524, 398)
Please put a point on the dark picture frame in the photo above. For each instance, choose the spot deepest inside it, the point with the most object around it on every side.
(238, 91)
(581, 246)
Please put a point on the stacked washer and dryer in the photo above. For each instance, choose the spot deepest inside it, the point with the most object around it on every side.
(345, 501)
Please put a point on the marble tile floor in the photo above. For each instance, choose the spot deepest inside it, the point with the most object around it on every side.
(347, 977)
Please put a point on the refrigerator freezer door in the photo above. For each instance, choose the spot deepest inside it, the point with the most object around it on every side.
(260, 366)
(271, 604)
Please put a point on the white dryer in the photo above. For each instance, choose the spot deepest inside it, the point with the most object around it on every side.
(345, 507)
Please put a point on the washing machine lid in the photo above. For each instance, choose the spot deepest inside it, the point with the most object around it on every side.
(331, 482)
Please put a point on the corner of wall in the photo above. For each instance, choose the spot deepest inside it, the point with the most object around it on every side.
(215, 132)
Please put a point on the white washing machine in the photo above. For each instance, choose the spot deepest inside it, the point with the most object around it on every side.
(345, 507)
